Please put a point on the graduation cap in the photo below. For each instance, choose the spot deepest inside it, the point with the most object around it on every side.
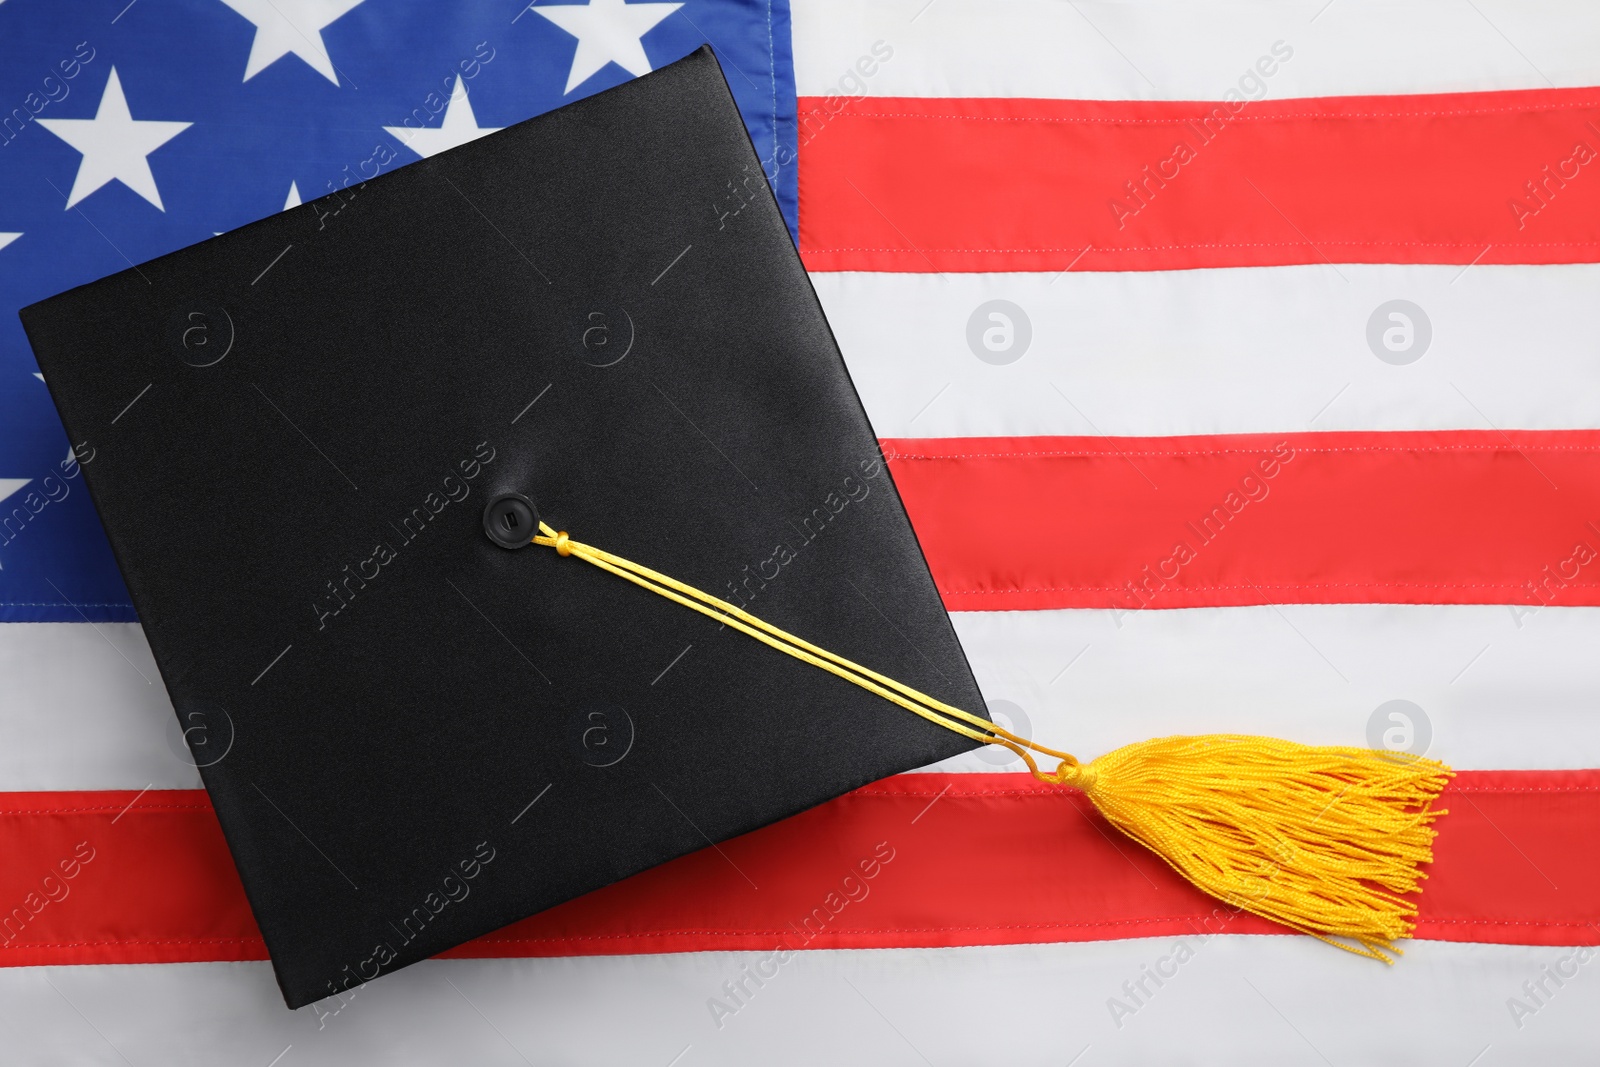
(325, 445)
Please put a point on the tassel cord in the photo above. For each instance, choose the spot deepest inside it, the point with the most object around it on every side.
(935, 711)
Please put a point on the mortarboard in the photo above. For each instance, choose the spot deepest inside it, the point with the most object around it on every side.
(295, 429)
(318, 441)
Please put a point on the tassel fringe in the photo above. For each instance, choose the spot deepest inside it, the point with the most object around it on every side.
(1324, 840)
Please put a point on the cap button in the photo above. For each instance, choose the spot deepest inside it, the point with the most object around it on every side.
(510, 520)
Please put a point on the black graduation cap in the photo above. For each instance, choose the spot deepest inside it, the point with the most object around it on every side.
(293, 432)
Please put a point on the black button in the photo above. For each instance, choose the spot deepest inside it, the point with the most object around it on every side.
(510, 520)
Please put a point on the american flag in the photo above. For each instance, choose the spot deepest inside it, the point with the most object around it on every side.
(1238, 364)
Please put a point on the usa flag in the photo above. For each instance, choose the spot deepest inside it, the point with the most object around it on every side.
(1240, 369)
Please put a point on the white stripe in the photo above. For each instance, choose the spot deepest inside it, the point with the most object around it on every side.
(1231, 1000)
(1501, 687)
(1250, 350)
(1495, 687)
(1184, 51)
(84, 708)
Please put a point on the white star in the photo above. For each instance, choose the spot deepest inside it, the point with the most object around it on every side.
(291, 26)
(7, 238)
(114, 145)
(608, 31)
(460, 126)
(9, 486)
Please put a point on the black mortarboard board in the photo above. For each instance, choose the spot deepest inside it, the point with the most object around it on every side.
(413, 736)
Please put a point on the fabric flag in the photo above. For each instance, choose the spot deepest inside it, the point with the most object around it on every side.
(1237, 366)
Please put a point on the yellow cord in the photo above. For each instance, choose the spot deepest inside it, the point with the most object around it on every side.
(1325, 840)
(936, 711)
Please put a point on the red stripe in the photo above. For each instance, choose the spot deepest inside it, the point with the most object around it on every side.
(119, 877)
(1460, 517)
(914, 861)
(933, 184)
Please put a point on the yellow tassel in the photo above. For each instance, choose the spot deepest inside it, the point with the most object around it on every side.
(1325, 841)
(1322, 840)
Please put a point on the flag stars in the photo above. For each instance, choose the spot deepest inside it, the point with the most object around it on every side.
(8, 487)
(115, 146)
(291, 27)
(460, 126)
(608, 31)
